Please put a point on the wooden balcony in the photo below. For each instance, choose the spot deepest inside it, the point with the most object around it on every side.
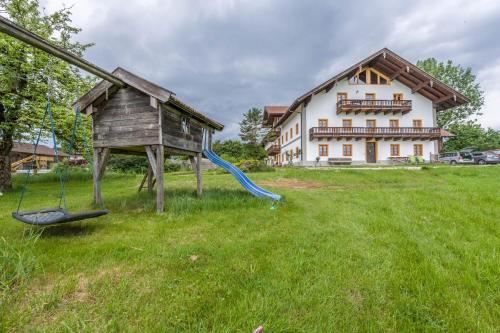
(375, 106)
(273, 150)
(377, 133)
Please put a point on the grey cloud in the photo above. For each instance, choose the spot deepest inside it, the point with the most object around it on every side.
(224, 57)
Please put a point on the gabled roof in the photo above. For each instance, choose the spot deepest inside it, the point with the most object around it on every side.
(41, 150)
(273, 111)
(163, 95)
(391, 64)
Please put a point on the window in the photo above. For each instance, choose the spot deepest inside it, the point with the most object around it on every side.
(322, 122)
(346, 122)
(323, 150)
(368, 76)
(297, 129)
(393, 122)
(347, 150)
(286, 136)
(291, 133)
(395, 150)
(370, 97)
(371, 123)
(397, 96)
(282, 139)
(185, 125)
(341, 96)
(297, 152)
(417, 122)
(418, 150)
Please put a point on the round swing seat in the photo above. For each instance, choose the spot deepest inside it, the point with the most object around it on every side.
(55, 216)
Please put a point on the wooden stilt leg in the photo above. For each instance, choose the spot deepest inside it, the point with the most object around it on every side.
(97, 182)
(198, 175)
(160, 194)
(150, 179)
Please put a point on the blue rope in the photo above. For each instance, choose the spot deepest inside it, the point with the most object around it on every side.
(27, 178)
(62, 198)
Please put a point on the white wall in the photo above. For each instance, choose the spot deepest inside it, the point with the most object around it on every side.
(323, 106)
(293, 142)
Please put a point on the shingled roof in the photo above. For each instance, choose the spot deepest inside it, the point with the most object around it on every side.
(163, 95)
(41, 150)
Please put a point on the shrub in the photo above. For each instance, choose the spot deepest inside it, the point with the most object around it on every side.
(253, 166)
(139, 164)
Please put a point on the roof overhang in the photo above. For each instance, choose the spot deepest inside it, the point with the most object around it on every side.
(397, 68)
(164, 96)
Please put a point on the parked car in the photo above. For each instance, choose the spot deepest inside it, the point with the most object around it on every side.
(485, 157)
(456, 157)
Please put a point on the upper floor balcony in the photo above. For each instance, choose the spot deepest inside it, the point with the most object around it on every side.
(375, 106)
(386, 133)
(272, 149)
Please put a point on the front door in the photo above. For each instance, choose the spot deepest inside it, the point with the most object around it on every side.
(371, 152)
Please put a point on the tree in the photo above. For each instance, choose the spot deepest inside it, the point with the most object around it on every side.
(462, 80)
(471, 135)
(251, 128)
(27, 75)
(232, 148)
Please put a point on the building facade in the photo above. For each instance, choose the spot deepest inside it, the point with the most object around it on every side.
(381, 110)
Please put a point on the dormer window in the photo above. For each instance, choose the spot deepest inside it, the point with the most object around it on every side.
(368, 76)
(185, 125)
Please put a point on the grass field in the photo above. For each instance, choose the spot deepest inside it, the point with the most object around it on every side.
(348, 250)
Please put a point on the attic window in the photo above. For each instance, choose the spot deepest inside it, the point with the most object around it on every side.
(368, 76)
(185, 125)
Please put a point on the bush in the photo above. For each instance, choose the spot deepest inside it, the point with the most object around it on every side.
(138, 164)
(253, 166)
(128, 163)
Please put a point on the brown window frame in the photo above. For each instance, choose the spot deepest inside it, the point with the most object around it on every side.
(349, 120)
(320, 150)
(421, 149)
(397, 122)
(291, 133)
(418, 120)
(297, 152)
(339, 94)
(393, 145)
(297, 129)
(286, 136)
(374, 120)
(344, 146)
(322, 119)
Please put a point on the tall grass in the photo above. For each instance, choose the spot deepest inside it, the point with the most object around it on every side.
(17, 263)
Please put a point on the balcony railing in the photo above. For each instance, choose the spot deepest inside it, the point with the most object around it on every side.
(273, 150)
(395, 133)
(373, 105)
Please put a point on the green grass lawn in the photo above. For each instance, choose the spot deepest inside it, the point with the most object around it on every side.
(348, 250)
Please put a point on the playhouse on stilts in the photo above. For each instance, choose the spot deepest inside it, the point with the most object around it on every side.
(142, 118)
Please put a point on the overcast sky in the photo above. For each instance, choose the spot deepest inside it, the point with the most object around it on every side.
(225, 56)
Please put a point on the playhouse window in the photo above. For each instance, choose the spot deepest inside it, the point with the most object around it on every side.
(185, 125)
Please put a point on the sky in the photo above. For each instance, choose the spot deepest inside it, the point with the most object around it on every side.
(225, 56)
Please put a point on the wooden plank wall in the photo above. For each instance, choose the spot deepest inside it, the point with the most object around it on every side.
(126, 119)
(173, 135)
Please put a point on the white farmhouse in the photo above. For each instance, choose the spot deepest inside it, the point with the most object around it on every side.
(381, 110)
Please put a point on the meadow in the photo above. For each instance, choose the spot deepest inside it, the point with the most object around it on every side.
(347, 251)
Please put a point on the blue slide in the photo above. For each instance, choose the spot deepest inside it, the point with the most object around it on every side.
(240, 177)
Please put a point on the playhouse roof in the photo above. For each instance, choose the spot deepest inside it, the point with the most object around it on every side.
(163, 95)
(391, 64)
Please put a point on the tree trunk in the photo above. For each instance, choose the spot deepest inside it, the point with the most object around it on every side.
(5, 177)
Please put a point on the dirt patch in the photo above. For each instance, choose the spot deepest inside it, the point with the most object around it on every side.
(292, 183)
(354, 296)
(81, 293)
